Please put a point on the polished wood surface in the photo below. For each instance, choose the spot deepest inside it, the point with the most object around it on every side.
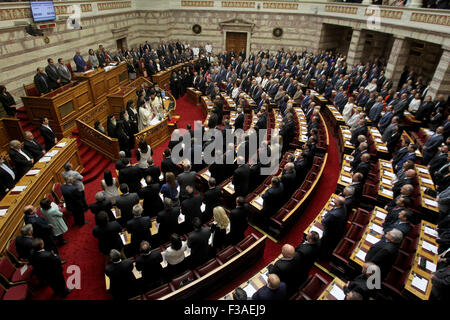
(37, 186)
(162, 78)
(10, 129)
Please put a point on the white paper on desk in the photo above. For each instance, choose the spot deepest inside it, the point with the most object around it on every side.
(18, 188)
(386, 181)
(380, 215)
(389, 174)
(377, 228)
(88, 71)
(431, 202)
(187, 252)
(427, 181)
(346, 179)
(207, 173)
(383, 148)
(61, 145)
(161, 196)
(361, 255)
(3, 212)
(348, 158)
(231, 186)
(430, 247)
(347, 136)
(45, 159)
(347, 169)
(114, 212)
(202, 207)
(337, 292)
(259, 201)
(249, 290)
(430, 266)
(387, 164)
(388, 192)
(370, 238)
(265, 277)
(431, 232)
(320, 232)
(420, 283)
(23, 269)
(143, 183)
(348, 143)
(422, 170)
(210, 240)
(33, 172)
(52, 153)
(181, 218)
(124, 240)
(378, 140)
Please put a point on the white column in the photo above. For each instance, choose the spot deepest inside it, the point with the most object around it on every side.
(356, 48)
(440, 84)
(397, 60)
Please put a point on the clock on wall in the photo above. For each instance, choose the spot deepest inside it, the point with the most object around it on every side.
(196, 28)
(277, 32)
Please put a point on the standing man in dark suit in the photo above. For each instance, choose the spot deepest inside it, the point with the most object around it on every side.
(273, 290)
(186, 178)
(47, 267)
(23, 161)
(149, 263)
(139, 228)
(211, 199)
(54, 80)
(131, 176)
(430, 147)
(74, 199)
(288, 179)
(24, 242)
(384, 252)
(239, 121)
(102, 204)
(334, 227)
(287, 268)
(41, 81)
(7, 177)
(32, 146)
(152, 170)
(167, 165)
(360, 130)
(241, 177)
(198, 242)
(364, 166)
(47, 133)
(122, 279)
(238, 221)
(307, 252)
(125, 202)
(152, 201)
(168, 220)
(191, 206)
(272, 198)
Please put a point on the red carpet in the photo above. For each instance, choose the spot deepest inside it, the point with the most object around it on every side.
(82, 249)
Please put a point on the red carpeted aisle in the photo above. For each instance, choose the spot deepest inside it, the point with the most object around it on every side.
(82, 249)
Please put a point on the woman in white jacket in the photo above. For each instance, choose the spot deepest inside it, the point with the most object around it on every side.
(145, 116)
(348, 109)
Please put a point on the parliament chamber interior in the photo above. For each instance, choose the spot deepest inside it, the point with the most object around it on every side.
(225, 150)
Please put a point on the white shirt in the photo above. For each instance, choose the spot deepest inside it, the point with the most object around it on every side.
(195, 51)
(208, 48)
(174, 257)
(371, 87)
(235, 93)
(347, 113)
(24, 154)
(8, 169)
(414, 105)
(47, 126)
(264, 82)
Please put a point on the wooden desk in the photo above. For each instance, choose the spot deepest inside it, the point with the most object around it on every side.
(345, 176)
(422, 276)
(334, 290)
(386, 182)
(345, 136)
(162, 78)
(194, 95)
(37, 186)
(302, 125)
(380, 146)
(428, 203)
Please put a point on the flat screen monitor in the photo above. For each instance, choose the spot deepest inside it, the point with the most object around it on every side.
(43, 11)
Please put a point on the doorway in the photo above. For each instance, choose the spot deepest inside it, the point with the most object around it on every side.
(121, 43)
(236, 41)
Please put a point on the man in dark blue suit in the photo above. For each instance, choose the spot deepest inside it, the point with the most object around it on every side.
(334, 227)
(272, 198)
(375, 111)
(410, 155)
(386, 119)
(274, 290)
(431, 146)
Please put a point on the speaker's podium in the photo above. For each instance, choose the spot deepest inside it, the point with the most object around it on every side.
(63, 105)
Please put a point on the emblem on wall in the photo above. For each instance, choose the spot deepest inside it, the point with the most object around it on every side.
(196, 28)
(277, 32)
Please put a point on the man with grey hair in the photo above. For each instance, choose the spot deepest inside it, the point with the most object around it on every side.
(187, 178)
(74, 199)
(121, 277)
(349, 195)
(32, 146)
(139, 228)
(119, 163)
(24, 242)
(384, 252)
(289, 180)
(102, 204)
(359, 285)
(23, 161)
(77, 181)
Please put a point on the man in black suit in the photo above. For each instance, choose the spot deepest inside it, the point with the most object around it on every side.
(274, 290)
(74, 200)
(359, 284)
(307, 252)
(125, 202)
(384, 252)
(364, 166)
(102, 204)
(47, 267)
(24, 242)
(168, 220)
(7, 177)
(239, 121)
(301, 167)
(287, 268)
(131, 175)
(152, 170)
(363, 148)
(238, 221)
(409, 178)
(241, 178)
(334, 227)
(272, 198)
(54, 79)
(430, 147)
(41, 81)
(186, 178)
(211, 199)
(360, 130)
(47, 133)
(139, 228)
(33, 147)
(23, 161)
(289, 180)
(121, 277)
(198, 242)
(152, 201)
(149, 263)
(167, 165)
(191, 206)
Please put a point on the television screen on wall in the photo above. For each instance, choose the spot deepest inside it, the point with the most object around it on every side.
(43, 11)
